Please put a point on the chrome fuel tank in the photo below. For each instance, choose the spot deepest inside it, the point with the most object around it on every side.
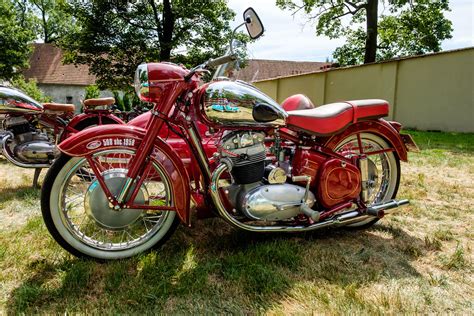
(13, 101)
(230, 103)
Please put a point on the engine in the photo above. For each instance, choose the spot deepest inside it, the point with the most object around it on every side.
(259, 190)
(22, 143)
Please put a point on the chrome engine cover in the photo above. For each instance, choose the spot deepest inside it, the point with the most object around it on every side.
(274, 202)
(37, 151)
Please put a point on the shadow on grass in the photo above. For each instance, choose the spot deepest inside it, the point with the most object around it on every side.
(19, 193)
(214, 268)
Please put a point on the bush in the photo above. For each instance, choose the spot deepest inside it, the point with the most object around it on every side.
(92, 92)
(30, 88)
(126, 101)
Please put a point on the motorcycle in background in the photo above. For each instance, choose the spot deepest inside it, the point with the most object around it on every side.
(30, 131)
(270, 170)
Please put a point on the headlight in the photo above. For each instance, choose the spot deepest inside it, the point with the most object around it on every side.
(141, 83)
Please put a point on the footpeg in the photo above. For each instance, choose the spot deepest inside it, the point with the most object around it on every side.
(308, 211)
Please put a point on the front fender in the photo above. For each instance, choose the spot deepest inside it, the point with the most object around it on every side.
(379, 127)
(106, 137)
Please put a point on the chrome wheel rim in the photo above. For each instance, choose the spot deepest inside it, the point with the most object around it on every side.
(89, 219)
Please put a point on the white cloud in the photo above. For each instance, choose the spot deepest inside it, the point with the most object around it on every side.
(288, 38)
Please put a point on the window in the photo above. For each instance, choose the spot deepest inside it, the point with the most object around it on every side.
(69, 99)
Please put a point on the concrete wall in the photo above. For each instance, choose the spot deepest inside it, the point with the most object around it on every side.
(431, 92)
(60, 93)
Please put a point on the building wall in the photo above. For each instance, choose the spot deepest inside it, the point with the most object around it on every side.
(431, 92)
(60, 93)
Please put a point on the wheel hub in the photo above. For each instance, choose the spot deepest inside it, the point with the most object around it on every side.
(99, 209)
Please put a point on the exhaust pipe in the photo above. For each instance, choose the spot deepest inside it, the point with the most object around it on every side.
(346, 218)
(4, 150)
(380, 210)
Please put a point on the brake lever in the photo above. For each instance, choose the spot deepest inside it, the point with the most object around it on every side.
(202, 70)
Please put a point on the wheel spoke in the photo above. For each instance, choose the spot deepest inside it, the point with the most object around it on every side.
(90, 219)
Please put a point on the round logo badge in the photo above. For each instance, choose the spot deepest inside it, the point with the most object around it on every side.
(93, 145)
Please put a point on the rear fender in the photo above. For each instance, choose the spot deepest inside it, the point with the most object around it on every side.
(108, 137)
(379, 127)
(81, 117)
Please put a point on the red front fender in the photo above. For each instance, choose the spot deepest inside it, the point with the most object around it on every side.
(107, 137)
(380, 127)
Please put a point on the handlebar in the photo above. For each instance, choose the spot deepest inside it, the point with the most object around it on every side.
(211, 63)
(220, 60)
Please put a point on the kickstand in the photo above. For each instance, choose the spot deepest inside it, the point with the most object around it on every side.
(35, 178)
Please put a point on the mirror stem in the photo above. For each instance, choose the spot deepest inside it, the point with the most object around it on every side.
(233, 37)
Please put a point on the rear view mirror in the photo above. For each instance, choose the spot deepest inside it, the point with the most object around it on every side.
(253, 23)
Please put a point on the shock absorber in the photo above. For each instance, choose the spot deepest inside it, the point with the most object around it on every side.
(364, 174)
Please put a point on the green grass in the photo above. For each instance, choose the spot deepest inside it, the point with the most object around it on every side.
(452, 142)
(416, 261)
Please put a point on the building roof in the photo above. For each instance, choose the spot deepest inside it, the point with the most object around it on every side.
(262, 69)
(46, 67)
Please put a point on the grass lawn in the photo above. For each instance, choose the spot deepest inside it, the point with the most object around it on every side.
(418, 260)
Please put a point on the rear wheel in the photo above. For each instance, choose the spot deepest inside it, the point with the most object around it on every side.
(80, 218)
(384, 170)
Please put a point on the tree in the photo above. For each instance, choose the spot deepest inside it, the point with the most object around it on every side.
(411, 27)
(116, 36)
(16, 35)
(52, 19)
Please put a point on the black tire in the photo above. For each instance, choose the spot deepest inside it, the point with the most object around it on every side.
(46, 192)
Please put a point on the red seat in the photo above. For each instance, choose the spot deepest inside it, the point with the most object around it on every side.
(331, 118)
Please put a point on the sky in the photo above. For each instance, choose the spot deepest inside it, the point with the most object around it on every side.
(290, 38)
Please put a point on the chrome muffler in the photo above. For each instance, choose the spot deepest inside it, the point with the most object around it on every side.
(350, 217)
(5, 151)
(380, 210)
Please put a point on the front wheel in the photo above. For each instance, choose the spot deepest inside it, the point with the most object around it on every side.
(384, 169)
(80, 218)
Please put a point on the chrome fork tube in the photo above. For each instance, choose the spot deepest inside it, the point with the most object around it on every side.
(201, 153)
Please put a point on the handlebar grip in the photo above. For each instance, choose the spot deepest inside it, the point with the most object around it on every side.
(220, 60)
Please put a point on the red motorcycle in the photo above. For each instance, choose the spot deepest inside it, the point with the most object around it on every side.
(265, 170)
(29, 131)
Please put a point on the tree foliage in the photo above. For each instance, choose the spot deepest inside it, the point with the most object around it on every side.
(405, 27)
(16, 35)
(51, 18)
(115, 36)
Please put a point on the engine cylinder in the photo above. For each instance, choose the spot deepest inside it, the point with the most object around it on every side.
(246, 151)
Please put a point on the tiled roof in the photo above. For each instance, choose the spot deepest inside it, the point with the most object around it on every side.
(261, 69)
(46, 67)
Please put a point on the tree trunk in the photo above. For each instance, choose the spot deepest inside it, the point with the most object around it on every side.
(371, 39)
(167, 35)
